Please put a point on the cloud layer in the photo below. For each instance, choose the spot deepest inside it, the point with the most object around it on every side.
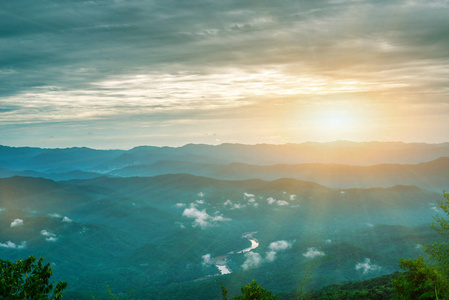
(90, 70)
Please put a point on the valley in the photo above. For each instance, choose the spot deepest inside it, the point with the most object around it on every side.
(184, 233)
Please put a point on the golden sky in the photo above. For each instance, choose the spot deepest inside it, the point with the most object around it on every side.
(116, 74)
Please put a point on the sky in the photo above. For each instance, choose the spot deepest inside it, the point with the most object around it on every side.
(118, 74)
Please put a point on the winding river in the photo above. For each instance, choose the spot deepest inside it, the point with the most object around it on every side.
(220, 262)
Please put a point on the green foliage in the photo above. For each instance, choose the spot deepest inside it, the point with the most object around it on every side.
(421, 281)
(28, 279)
(253, 291)
(428, 281)
(439, 252)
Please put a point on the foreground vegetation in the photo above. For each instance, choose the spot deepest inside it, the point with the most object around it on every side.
(28, 279)
(428, 279)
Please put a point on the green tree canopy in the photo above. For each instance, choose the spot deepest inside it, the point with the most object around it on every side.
(428, 280)
(28, 279)
(253, 291)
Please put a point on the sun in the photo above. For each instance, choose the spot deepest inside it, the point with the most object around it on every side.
(334, 124)
(336, 121)
(342, 120)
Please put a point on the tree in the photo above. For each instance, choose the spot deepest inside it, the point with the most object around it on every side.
(428, 280)
(421, 281)
(438, 252)
(28, 279)
(253, 291)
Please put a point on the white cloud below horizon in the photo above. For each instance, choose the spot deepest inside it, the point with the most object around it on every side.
(313, 252)
(202, 218)
(367, 266)
(11, 245)
(17, 222)
(253, 260)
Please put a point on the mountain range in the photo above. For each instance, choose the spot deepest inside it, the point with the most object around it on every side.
(166, 222)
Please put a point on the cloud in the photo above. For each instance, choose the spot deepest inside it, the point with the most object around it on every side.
(275, 247)
(253, 260)
(313, 253)
(67, 220)
(11, 245)
(17, 222)
(367, 266)
(49, 236)
(180, 204)
(202, 218)
(55, 215)
(180, 225)
(2, 210)
(206, 259)
(273, 201)
(248, 195)
(200, 201)
(328, 241)
(280, 245)
(292, 197)
(201, 194)
(271, 256)
(252, 201)
(100, 63)
(233, 205)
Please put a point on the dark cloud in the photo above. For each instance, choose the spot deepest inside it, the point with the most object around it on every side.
(48, 42)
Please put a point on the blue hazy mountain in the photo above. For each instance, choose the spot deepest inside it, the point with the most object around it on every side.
(432, 175)
(86, 159)
(423, 165)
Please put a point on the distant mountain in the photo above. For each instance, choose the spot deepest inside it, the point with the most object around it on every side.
(86, 159)
(75, 174)
(54, 160)
(433, 175)
(39, 194)
(335, 152)
(106, 195)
